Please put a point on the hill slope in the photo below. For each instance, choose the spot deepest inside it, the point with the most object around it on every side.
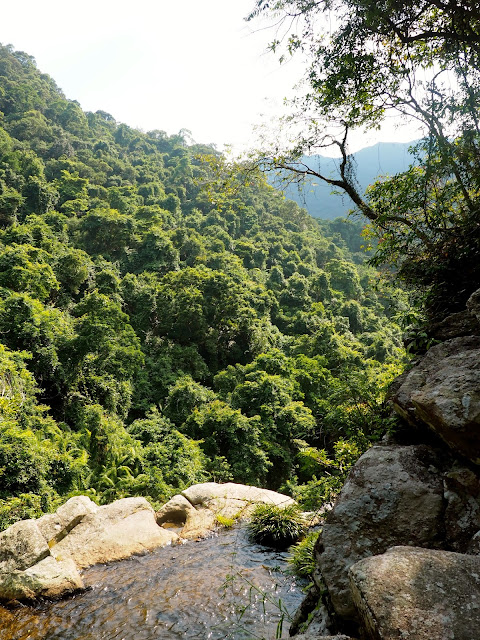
(381, 159)
(166, 318)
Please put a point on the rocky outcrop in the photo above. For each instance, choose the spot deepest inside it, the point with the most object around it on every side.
(462, 507)
(399, 554)
(418, 594)
(443, 392)
(42, 558)
(394, 495)
(27, 568)
(55, 526)
(203, 494)
(175, 512)
(113, 532)
(47, 578)
(201, 507)
(456, 325)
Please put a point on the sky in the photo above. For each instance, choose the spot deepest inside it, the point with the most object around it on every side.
(153, 64)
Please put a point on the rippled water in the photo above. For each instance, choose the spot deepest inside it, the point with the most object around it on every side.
(214, 589)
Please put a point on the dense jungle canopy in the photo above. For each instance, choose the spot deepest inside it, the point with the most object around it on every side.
(167, 317)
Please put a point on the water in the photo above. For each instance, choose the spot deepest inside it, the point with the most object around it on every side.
(215, 589)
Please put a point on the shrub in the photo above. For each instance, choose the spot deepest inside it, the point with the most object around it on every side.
(276, 526)
(302, 556)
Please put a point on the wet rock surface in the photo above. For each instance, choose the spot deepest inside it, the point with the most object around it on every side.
(221, 588)
(42, 558)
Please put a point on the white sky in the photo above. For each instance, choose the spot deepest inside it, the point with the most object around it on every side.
(153, 64)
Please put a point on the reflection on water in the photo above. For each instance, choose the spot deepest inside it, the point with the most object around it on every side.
(213, 589)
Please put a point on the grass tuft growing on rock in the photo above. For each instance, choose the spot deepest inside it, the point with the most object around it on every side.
(302, 558)
(276, 526)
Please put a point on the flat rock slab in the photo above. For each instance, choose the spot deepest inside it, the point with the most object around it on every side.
(115, 531)
(418, 594)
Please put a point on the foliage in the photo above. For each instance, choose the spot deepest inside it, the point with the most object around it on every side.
(421, 61)
(168, 318)
(276, 526)
(302, 557)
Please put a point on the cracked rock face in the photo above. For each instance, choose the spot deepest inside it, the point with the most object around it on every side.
(393, 496)
(113, 532)
(418, 594)
(443, 392)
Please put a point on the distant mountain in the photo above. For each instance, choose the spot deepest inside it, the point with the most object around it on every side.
(382, 159)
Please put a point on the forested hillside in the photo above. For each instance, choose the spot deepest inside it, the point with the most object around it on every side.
(166, 318)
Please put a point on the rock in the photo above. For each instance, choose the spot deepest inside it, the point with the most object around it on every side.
(443, 391)
(462, 511)
(199, 524)
(48, 578)
(418, 594)
(55, 526)
(474, 546)
(455, 326)
(115, 531)
(473, 304)
(393, 495)
(210, 501)
(310, 636)
(311, 616)
(175, 511)
(201, 494)
(21, 546)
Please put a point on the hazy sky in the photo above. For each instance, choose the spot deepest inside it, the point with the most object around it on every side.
(154, 64)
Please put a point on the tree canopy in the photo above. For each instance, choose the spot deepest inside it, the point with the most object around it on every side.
(167, 317)
(420, 60)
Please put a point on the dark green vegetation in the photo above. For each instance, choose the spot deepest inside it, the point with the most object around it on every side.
(302, 555)
(368, 59)
(277, 527)
(166, 318)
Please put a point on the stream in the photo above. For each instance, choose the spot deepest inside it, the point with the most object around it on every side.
(223, 587)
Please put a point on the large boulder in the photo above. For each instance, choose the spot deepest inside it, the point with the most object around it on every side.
(473, 305)
(462, 507)
(55, 526)
(113, 532)
(392, 496)
(456, 325)
(201, 507)
(21, 546)
(202, 494)
(27, 570)
(418, 594)
(175, 512)
(47, 578)
(443, 392)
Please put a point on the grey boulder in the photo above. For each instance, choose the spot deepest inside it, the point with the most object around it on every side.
(418, 594)
(443, 392)
(113, 532)
(393, 495)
